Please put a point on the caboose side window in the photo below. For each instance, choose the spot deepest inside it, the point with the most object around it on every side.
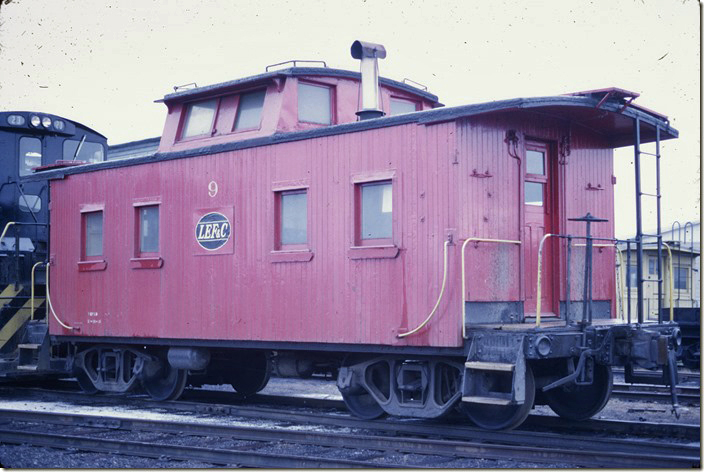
(30, 154)
(93, 227)
(314, 103)
(249, 110)
(375, 211)
(199, 118)
(148, 229)
(293, 217)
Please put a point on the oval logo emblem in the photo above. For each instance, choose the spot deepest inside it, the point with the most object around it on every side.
(213, 231)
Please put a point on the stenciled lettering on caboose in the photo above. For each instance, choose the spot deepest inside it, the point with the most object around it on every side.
(213, 231)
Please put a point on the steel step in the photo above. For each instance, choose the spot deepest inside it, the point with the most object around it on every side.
(496, 366)
(487, 400)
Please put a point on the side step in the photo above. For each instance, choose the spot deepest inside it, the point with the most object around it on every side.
(495, 370)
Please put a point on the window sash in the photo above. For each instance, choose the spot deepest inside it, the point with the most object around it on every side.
(249, 110)
(314, 103)
(93, 233)
(148, 229)
(30, 154)
(294, 217)
(200, 117)
(376, 211)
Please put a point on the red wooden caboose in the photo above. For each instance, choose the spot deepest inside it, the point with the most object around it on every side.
(277, 220)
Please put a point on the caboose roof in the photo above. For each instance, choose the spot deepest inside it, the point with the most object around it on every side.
(613, 119)
(232, 85)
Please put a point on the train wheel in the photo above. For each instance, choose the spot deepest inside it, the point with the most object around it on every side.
(163, 382)
(581, 402)
(251, 373)
(363, 405)
(502, 417)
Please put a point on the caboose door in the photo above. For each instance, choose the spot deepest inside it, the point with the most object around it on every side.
(538, 210)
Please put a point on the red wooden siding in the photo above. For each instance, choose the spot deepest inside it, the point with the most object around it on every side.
(341, 295)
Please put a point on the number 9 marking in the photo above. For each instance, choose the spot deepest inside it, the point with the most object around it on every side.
(212, 188)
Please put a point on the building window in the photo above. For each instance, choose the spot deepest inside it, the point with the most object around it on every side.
(314, 103)
(632, 276)
(30, 203)
(148, 228)
(89, 152)
(375, 211)
(249, 110)
(292, 218)
(30, 154)
(400, 106)
(681, 276)
(93, 234)
(652, 266)
(199, 120)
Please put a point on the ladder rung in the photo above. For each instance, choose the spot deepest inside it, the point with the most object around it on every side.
(486, 400)
(649, 154)
(480, 365)
(650, 194)
(652, 280)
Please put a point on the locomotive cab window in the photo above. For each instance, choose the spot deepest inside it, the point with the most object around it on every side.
(314, 103)
(374, 212)
(249, 110)
(75, 149)
(30, 154)
(199, 119)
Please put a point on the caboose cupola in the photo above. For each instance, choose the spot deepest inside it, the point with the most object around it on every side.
(286, 100)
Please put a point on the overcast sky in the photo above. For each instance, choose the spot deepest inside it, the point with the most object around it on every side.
(103, 63)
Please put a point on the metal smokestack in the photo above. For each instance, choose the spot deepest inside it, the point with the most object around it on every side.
(368, 53)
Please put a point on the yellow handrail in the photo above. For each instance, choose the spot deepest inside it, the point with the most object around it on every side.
(464, 282)
(620, 289)
(672, 276)
(7, 226)
(48, 299)
(32, 299)
(437, 303)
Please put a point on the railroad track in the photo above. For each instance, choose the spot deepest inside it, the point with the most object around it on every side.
(686, 395)
(453, 445)
(267, 407)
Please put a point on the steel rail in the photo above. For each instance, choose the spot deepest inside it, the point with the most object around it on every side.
(200, 401)
(542, 452)
(462, 432)
(160, 450)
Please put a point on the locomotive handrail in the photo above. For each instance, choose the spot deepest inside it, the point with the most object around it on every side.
(464, 282)
(7, 226)
(48, 299)
(17, 223)
(437, 303)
